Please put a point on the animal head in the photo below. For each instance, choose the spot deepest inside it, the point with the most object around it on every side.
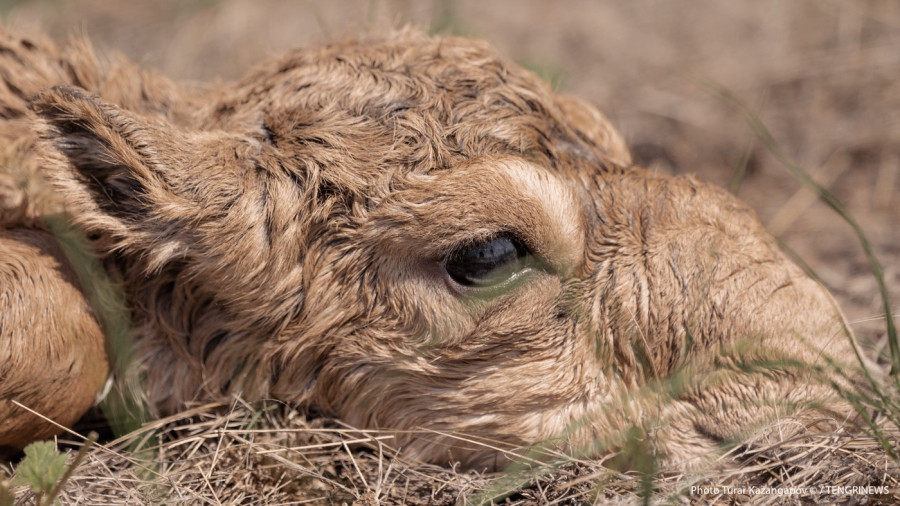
(416, 233)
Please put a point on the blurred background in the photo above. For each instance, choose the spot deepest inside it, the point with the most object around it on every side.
(822, 75)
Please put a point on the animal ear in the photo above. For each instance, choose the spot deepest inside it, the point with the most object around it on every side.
(106, 160)
(595, 128)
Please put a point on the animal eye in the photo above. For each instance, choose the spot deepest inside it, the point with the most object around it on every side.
(487, 262)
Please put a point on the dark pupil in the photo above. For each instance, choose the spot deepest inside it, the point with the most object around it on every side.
(483, 263)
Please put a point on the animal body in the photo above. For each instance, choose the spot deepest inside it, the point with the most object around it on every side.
(409, 233)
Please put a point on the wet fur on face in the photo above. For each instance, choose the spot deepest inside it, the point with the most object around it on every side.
(288, 236)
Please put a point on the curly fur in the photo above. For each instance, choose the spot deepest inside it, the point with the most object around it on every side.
(285, 237)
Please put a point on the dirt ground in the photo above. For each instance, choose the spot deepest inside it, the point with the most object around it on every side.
(822, 75)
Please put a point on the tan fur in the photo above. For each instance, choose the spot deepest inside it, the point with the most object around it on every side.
(286, 237)
(53, 353)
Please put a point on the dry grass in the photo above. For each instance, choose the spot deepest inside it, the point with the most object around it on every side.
(268, 455)
(821, 74)
(273, 455)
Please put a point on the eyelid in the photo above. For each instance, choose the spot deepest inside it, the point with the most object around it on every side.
(485, 236)
(423, 215)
